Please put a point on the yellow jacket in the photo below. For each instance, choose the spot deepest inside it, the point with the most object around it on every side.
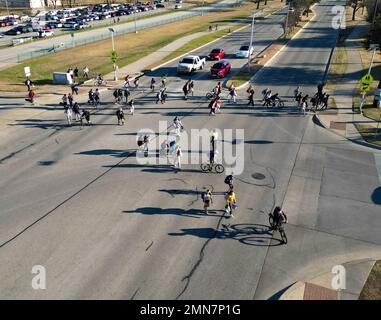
(231, 198)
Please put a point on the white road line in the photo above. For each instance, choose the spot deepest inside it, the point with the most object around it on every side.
(377, 160)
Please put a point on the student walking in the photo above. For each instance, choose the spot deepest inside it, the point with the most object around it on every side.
(120, 116)
(132, 106)
(177, 156)
(76, 111)
(232, 94)
(251, 98)
(97, 97)
(69, 115)
(31, 96)
(177, 125)
(28, 83)
(126, 94)
(152, 84)
(86, 72)
(207, 199)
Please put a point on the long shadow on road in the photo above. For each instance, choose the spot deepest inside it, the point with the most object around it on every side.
(249, 234)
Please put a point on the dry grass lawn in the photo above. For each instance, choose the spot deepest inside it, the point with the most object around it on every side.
(130, 47)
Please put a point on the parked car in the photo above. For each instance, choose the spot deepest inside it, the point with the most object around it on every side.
(14, 31)
(220, 69)
(243, 51)
(54, 24)
(160, 5)
(69, 25)
(217, 54)
(82, 26)
(34, 26)
(1, 34)
(178, 6)
(45, 33)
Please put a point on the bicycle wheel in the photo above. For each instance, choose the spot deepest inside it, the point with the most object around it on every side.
(283, 235)
(281, 104)
(271, 222)
(209, 95)
(205, 167)
(219, 168)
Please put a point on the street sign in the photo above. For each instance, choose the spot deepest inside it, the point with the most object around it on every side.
(367, 79)
(27, 71)
(113, 56)
(364, 87)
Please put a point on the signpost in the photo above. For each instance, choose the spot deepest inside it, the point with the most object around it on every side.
(27, 71)
(367, 79)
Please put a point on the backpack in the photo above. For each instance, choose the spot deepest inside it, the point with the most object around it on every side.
(228, 179)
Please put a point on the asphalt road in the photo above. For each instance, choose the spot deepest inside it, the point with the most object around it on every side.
(104, 225)
(15, 54)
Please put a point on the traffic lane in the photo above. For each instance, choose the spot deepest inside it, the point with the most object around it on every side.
(302, 61)
(62, 252)
(264, 34)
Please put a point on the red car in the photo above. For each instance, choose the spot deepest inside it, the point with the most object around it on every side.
(217, 54)
(220, 69)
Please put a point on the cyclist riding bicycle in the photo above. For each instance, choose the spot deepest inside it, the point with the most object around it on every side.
(279, 217)
(99, 78)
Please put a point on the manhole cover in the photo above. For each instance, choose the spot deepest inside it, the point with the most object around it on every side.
(258, 176)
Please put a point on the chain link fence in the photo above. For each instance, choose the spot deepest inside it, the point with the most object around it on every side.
(124, 30)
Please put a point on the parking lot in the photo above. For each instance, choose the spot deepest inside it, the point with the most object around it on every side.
(74, 19)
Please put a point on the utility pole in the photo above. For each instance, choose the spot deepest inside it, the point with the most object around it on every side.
(375, 12)
(251, 42)
(202, 8)
(136, 30)
(286, 24)
(113, 50)
(6, 4)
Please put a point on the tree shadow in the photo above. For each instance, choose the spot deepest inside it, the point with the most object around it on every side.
(376, 196)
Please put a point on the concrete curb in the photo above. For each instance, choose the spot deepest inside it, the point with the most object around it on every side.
(363, 143)
(280, 50)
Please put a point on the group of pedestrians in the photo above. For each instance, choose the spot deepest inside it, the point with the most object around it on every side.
(72, 108)
(94, 97)
(230, 198)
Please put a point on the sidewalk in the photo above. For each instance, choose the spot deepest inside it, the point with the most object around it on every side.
(320, 287)
(342, 120)
(49, 99)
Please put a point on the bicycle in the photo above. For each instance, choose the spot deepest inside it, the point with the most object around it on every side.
(211, 95)
(210, 167)
(278, 227)
(278, 103)
(100, 82)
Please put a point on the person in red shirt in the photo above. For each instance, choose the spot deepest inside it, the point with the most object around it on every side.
(31, 96)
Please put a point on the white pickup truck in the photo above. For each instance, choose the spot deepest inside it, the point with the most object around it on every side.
(190, 63)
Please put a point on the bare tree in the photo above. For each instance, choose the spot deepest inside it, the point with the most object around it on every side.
(356, 5)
